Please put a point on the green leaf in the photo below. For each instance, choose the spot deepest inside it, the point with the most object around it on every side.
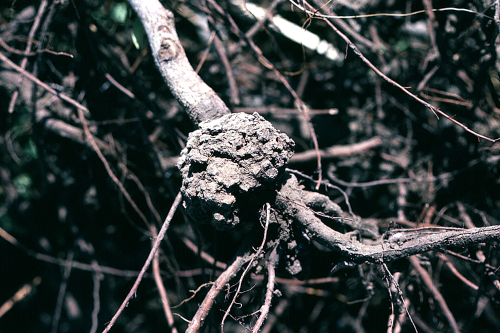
(119, 12)
(138, 35)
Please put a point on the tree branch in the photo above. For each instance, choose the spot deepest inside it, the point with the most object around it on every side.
(243, 256)
(196, 97)
(400, 245)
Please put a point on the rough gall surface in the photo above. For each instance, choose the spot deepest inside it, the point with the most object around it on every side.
(231, 164)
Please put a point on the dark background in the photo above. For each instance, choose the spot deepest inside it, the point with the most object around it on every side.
(58, 201)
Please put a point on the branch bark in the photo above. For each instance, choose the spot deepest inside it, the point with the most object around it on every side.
(243, 256)
(196, 97)
(290, 202)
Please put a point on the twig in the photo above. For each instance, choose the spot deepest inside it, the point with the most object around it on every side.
(122, 188)
(391, 288)
(401, 318)
(326, 184)
(194, 293)
(249, 266)
(34, 79)
(331, 176)
(445, 100)
(119, 86)
(19, 295)
(219, 48)
(432, 24)
(435, 110)
(292, 282)
(241, 258)
(467, 221)
(338, 150)
(73, 133)
(205, 53)
(468, 259)
(261, 22)
(427, 77)
(361, 39)
(61, 295)
(62, 262)
(271, 279)
(394, 287)
(143, 190)
(96, 278)
(446, 9)
(273, 318)
(431, 287)
(196, 97)
(152, 253)
(455, 272)
(401, 201)
(389, 250)
(205, 256)
(30, 54)
(24, 62)
(161, 287)
(285, 111)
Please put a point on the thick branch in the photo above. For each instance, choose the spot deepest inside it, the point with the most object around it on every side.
(398, 246)
(196, 97)
(407, 245)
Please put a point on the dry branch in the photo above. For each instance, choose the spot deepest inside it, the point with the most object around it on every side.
(150, 258)
(242, 257)
(289, 201)
(197, 98)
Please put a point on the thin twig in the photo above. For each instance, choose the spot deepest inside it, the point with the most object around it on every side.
(249, 266)
(23, 292)
(446, 9)
(152, 253)
(241, 258)
(62, 262)
(326, 184)
(338, 150)
(24, 62)
(432, 24)
(96, 279)
(397, 289)
(203, 255)
(261, 23)
(61, 295)
(233, 87)
(31, 54)
(455, 272)
(401, 318)
(35, 80)
(435, 110)
(272, 110)
(161, 288)
(122, 188)
(431, 287)
(271, 279)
